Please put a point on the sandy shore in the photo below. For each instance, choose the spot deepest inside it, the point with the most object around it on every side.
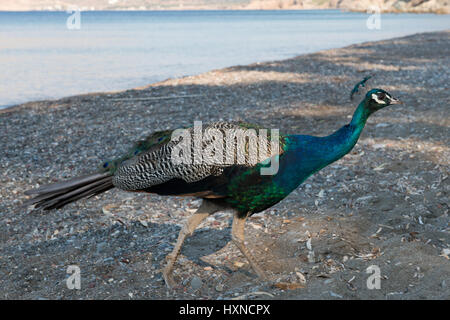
(385, 204)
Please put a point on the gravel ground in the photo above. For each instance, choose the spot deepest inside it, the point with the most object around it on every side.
(384, 204)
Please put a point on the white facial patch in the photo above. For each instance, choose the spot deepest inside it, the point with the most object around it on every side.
(375, 97)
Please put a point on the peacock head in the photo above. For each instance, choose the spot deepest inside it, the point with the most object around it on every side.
(377, 99)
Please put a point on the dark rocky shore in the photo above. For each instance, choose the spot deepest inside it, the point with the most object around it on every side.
(384, 204)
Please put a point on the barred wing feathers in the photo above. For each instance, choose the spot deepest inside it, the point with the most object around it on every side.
(154, 166)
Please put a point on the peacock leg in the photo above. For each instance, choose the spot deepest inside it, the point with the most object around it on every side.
(237, 234)
(207, 208)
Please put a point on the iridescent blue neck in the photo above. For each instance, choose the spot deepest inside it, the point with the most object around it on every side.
(360, 116)
(306, 155)
(343, 140)
(318, 152)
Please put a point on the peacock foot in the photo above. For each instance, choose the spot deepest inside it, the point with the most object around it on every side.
(168, 270)
(168, 279)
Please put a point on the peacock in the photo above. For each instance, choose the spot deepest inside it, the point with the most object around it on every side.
(239, 186)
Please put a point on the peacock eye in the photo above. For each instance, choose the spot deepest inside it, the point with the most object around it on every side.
(381, 96)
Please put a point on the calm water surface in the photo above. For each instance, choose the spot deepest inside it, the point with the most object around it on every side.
(40, 58)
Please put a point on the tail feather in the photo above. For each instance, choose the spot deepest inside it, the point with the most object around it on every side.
(57, 195)
(56, 198)
(86, 194)
(68, 184)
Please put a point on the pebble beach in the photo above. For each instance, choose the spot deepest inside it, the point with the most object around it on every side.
(384, 204)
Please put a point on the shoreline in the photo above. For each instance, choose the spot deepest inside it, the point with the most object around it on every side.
(385, 203)
(24, 104)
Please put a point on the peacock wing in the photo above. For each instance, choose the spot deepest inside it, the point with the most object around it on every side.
(153, 141)
(155, 165)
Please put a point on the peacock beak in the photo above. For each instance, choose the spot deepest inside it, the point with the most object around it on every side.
(395, 101)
